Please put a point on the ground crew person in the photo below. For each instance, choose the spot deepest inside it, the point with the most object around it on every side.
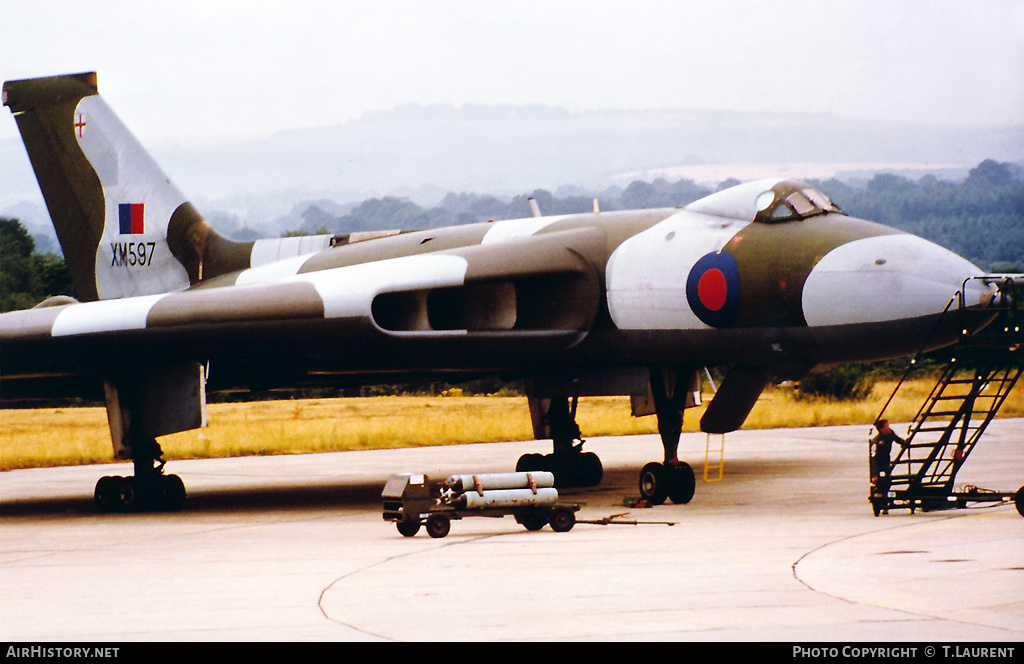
(881, 464)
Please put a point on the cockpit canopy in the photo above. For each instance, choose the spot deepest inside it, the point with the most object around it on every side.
(767, 202)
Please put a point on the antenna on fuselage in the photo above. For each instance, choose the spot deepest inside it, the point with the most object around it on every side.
(534, 208)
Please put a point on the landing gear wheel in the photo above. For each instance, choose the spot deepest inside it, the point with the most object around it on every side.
(155, 492)
(591, 469)
(438, 525)
(653, 484)
(562, 520)
(530, 463)
(681, 482)
(128, 498)
(571, 468)
(531, 520)
(172, 493)
(107, 494)
(408, 528)
(1018, 500)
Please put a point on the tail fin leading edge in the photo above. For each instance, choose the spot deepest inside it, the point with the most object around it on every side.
(125, 229)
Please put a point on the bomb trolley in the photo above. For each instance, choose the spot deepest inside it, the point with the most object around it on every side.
(412, 500)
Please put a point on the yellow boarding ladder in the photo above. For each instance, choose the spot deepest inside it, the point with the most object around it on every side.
(711, 466)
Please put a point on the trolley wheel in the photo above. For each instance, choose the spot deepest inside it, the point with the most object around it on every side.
(1018, 500)
(438, 525)
(408, 528)
(531, 520)
(562, 520)
(654, 483)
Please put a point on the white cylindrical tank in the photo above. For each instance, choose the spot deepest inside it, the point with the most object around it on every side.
(493, 481)
(506, 498)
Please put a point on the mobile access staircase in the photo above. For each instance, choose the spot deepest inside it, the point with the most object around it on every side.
(980, 371)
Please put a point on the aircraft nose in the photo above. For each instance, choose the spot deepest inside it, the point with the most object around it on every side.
(887, 278)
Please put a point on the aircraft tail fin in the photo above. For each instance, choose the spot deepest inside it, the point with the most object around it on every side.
(125, 229)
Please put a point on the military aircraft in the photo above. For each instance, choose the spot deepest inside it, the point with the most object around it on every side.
(768, 278)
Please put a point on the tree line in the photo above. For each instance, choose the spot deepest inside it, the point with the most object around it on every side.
(980, 218)
(27, 277)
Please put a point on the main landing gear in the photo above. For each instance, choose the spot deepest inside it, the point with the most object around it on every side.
(149, 490)
(571, 466)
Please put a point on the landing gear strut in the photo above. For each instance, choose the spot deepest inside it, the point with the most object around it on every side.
(674, 478)
(571, 465)
(149, 490)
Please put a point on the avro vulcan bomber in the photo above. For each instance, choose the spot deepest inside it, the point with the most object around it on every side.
(769, 279)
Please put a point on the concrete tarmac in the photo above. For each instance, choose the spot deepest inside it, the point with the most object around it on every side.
(784, 548)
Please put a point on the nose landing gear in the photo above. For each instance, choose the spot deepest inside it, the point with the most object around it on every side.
(674, 478)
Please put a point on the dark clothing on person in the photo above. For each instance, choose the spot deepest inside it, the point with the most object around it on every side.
(881, 463)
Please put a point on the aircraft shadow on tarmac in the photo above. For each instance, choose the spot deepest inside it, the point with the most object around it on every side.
(261, 498)
(359, 493)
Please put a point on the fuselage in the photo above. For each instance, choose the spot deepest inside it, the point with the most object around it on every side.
(767, 274)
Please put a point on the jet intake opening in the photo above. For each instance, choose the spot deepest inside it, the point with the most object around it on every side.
(473, 307)
(538, 302)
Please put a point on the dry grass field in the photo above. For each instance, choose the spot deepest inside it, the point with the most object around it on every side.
(68, 436)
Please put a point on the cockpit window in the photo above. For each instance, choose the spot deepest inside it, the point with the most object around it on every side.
(800, 203)
(766, 201)
(820, 199)
(787, 201)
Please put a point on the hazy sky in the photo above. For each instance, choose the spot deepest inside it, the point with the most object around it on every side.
(189, 70)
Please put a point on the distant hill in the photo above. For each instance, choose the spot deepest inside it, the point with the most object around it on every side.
(508, 149)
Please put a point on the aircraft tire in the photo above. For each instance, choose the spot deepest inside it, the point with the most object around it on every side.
(438, 525)
(591, 469)
(107, 495)
(529, 463)
(570, 469)
(681, 483)
(1018, 500)
(128, 498)
(172, 493)
(653, 484)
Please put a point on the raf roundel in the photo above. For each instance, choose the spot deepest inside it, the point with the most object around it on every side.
(713, 289)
